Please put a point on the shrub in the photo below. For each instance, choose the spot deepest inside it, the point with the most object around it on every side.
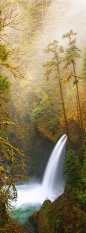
(71, 170)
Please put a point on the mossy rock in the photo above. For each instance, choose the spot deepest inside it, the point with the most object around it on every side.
(35, 218)
(62, 216)
(42, 223)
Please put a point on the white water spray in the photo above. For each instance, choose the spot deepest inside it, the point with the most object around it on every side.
(53, 181)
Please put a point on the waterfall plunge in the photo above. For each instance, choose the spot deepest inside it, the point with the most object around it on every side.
(53, 181)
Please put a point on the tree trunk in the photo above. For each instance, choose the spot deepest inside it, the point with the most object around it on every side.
(78, 103)
(65, 118)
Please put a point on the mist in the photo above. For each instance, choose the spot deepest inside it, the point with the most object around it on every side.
(62, 16)
(29, 93)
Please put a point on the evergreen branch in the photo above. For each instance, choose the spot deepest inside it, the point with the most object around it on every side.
(9, 123)
(77, 76)
(11, 147)
(67, 78)
(15, 71)
(57, 76)
(51, 97)
(21, 177)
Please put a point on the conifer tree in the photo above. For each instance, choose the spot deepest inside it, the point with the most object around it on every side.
(9, 154)
(54, 65)
(73, 52)
(84, 65)
(37, 16)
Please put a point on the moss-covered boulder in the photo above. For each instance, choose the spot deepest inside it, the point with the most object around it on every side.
(65, 215)
(40, 218)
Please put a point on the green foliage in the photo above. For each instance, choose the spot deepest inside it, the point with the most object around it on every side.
(4, 84)
(68, 212)
(72, 52)
(69, 34)
(56, 51)
(37, 11)
(81, 196)
(46, 205)
(44, 119)
(55, 66)
(3, 207)
(3, 53)
(4, 102)
(76, 178)
(63, 215)
(57, 225)
(84, 65)
(71, 170)
(9, 154)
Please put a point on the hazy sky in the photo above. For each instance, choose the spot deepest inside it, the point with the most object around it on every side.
(63, 15)
(66, 15)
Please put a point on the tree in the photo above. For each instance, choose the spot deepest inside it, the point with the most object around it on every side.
(9, 39)
(44, 119)
(84, 65)
(9, 154)
(37, 15)
(73, 52)
(71, 171)
(54, 65)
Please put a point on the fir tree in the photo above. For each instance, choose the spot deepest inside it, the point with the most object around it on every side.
(84, 66)
(73, 52)
(54, 65)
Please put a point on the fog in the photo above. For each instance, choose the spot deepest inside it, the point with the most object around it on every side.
(62, 16)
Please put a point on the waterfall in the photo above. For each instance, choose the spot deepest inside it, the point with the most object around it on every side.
(53, 183)
(53, 180)
(31, 195)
